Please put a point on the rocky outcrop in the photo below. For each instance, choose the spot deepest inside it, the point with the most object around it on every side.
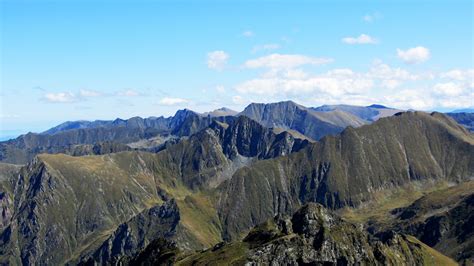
(211, 156)
(442, 219)
(159, 222)
(315, 236)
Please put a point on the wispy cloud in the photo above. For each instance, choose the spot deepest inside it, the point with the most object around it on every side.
(248, 34)
(89, 93)
(285, 61)
(265, 47)
(459, 74)
(217, 60)
(128, 93)
(371, 17)
(173, 101)
(414, 55)
(6, 116)
(361, 39)
(60, 97)
(220, 89)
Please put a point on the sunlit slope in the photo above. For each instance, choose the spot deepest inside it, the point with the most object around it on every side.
(348, 169)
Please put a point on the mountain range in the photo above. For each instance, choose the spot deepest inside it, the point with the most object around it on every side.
(99, 137)
(276, 182)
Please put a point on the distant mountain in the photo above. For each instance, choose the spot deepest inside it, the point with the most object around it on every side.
(465, 119)
(151, 133)
(466, 110)
(65, 137)
(224, 111)
(368, 113)
(378, 106)
(289, 115)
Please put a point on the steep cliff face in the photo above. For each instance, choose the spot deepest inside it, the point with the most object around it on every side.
(158, 222)
(211, 156)
(313, 236)
(8, 177)
(346, 170)
(60, 210)
(442, 219)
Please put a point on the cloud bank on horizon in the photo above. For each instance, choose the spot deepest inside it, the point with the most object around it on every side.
(168, 56)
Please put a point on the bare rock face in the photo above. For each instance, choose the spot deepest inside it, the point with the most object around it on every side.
(159, 222)
(443, 220)
(316, 236)
(5, 210)
(320, 237)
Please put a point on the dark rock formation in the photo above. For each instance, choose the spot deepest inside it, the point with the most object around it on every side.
(315, 236)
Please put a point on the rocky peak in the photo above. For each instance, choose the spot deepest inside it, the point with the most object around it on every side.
(311, 219)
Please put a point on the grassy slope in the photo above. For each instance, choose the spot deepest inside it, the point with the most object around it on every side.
(378, 210)
(197, 212)
(351, 169)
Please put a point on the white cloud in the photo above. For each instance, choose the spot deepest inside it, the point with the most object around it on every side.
(458, 74)
(284, 78)
(7, 116)
(128, 93)
(285, 61)
(266, 47)
(248, 33)
(449, 89)
(173, 101)
(295, 74)
(335, 83)
(372, 17)
(362, 39)
(217, 60)
(220, 89)
(390, 83)
(414, 55)
(60, 97)
(390, 77)
(89, 93)
(410, 99)
(457, 102)
(237, 99)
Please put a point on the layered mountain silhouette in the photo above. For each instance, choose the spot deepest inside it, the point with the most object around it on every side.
(201, 179)
(150, 134)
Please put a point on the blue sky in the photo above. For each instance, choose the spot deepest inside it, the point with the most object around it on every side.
(71, 60)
